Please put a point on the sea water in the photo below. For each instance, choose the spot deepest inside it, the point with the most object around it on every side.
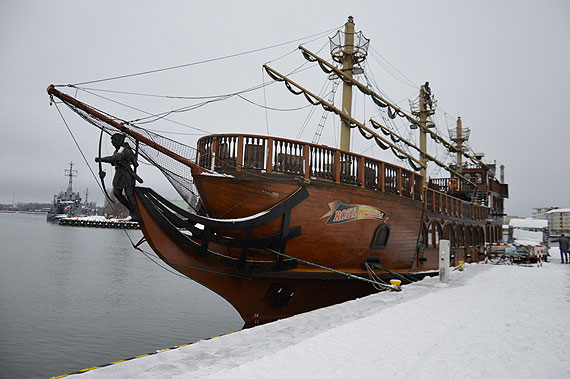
(73, 298)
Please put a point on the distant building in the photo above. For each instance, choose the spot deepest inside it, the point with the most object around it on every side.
(558, 221)
(540, 213)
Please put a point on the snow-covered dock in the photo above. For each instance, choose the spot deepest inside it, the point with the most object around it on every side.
(98, 222)
(489, 321)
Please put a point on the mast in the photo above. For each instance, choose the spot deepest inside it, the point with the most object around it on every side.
(348, 53)
(71, 173)
(459, 143)
(347, 63)
(425, 110)
(460, 135)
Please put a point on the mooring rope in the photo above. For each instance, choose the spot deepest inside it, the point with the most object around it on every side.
(373, 276)
(350, 276)
(403, 277)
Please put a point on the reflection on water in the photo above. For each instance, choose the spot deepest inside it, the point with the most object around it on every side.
(72, 298)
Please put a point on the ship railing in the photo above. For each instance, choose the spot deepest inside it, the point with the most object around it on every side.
(282, 156)
(443, 203)
(312, 162)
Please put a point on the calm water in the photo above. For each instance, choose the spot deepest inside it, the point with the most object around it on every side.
(72, 298)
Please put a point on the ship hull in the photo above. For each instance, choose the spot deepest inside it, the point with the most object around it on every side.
(266, 295)
(261, 297)
(341, 245)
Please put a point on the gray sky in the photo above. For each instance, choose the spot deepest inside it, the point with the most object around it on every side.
(500, 65)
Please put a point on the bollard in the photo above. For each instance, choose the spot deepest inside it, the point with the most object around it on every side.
(444, 261)
(396, 282)
(461, 265)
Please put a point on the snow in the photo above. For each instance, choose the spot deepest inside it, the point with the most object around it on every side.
(528, 223)
(247, 218)
(216, 174)
(101, 218)
(527, 242)
(559, 210)
(488, 322)
(535, 238)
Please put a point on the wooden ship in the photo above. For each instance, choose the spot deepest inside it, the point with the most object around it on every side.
(287, 226)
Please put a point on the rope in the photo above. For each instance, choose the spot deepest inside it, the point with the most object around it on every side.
(403, 277)
(77, 144)
(350, 276)
(373, 275)
(206, 60)
(272, 108)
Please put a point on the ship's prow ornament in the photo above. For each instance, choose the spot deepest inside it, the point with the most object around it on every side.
(124, 160)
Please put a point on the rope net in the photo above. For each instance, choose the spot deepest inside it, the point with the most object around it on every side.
(177, 173)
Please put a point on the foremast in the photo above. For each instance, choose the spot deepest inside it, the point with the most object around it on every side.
(347, 59)
(348, 53)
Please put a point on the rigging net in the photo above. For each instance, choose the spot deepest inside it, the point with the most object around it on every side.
(175, 171)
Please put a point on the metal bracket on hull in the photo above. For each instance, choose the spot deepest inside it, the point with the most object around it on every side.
(173, 220)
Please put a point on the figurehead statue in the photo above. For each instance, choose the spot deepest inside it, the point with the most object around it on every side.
(125, 162)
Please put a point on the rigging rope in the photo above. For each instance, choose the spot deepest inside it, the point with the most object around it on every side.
(77, 144)
(206, 60)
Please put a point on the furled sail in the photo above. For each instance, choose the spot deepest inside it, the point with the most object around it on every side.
(349, 119)
(383, 103)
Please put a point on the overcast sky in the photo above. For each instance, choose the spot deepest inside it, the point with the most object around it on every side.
(503, 66)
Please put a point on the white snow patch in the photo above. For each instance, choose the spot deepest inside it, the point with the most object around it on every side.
(487, 322)
(528, 223)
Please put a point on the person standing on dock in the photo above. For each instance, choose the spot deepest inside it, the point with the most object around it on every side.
(563, 244)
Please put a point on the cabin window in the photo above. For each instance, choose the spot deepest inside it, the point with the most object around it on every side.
(381, 237)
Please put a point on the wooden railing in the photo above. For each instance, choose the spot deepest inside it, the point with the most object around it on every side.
(317, 162)
(439, 202)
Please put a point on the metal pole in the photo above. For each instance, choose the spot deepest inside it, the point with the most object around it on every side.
(444, 246)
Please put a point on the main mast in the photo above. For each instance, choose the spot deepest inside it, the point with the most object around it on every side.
(460, 135)
(425, 110)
